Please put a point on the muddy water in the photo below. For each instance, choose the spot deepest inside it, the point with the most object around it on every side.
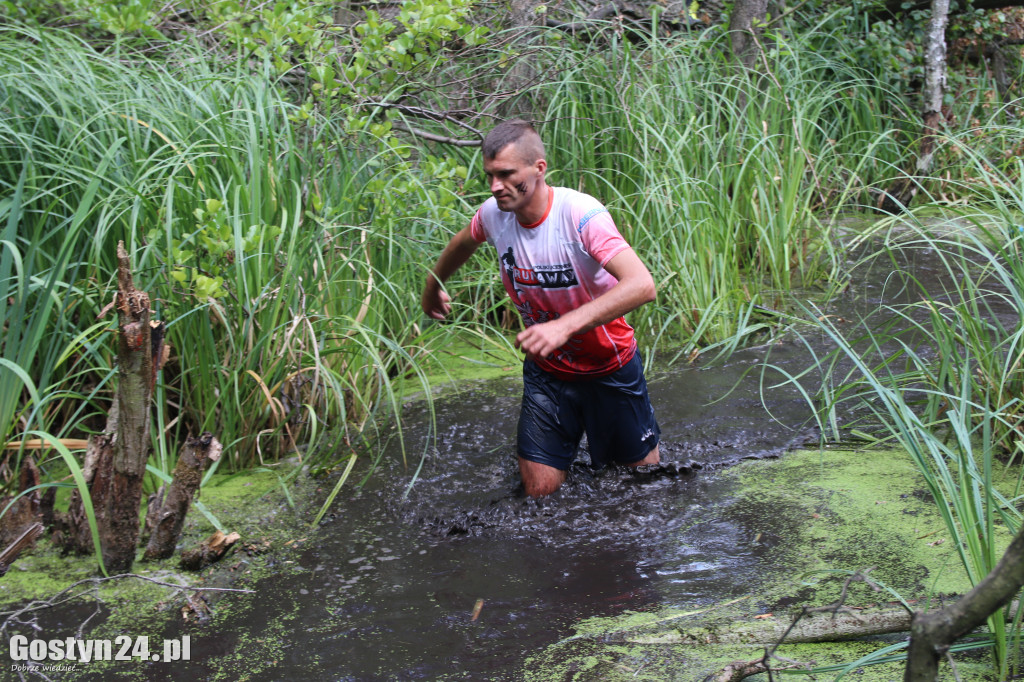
(463, 578)
(390, 590)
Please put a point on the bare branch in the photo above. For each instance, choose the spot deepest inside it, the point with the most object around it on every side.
(69, 594)
(422, 134)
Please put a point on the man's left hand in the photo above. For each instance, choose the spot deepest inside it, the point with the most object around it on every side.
(541, 340)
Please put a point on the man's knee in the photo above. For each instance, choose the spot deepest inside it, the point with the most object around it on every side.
(653, 457)
(540, 479)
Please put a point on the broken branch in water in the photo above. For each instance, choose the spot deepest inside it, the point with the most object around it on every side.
(12, 618)
(23, 541)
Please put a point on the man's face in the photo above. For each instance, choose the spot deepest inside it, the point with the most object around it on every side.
(513, 181)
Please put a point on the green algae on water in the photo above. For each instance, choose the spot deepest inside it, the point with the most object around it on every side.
(838, 512)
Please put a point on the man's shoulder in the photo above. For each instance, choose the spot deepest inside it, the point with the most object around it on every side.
(578, 208)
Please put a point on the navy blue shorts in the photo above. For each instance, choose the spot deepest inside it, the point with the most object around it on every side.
(614, 410)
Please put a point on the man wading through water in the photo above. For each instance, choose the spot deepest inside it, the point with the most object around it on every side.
(572, 277)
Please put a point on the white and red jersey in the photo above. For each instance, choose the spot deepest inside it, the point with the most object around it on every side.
(555, 266)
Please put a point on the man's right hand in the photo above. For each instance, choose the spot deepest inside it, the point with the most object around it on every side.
(435, 302)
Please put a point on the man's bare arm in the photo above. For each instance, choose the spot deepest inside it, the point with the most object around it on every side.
(435, 302)
(634, 288)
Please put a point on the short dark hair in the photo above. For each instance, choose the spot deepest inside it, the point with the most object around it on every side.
(518, 132)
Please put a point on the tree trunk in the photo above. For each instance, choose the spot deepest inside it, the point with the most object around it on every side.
(904, 191)
(188, 474)
(745, 28)
(935, 82)
(932, 633)
(137, 364)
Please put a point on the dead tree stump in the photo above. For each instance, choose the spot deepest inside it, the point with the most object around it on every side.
(26, 509)
(71, 529)
(188, 474)
(210, 551)
(137, 365)
(116, 459)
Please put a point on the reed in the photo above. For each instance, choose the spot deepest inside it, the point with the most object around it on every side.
(260, 257)
(725, 184)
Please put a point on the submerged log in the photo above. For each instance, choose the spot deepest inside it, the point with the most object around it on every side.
(819, 627)
(188, 474)
(210, 551)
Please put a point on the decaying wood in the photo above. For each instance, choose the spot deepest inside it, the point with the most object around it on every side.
(188, 474)
(738, 670)
(71, 529)
(153, 506)
(19, 545)
(210, 551)
(119, 531)
(115, 460)
(26, 509)
(823, 625)
(818, 627)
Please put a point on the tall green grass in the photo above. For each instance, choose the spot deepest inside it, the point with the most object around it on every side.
(286, 253)
(287, 298)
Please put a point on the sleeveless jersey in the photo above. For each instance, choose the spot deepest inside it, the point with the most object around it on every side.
(557, 265)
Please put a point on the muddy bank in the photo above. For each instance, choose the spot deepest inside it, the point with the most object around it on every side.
(273, 524)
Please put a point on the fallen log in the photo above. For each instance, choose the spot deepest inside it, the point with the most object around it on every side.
(817, 627)
(188, 474)
(847, 623)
